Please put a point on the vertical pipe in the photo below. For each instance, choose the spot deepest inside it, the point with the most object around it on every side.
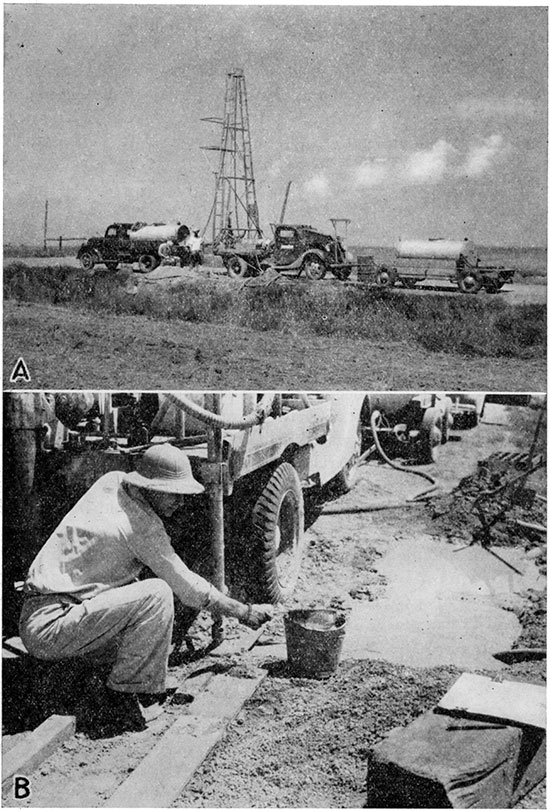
(215, 501)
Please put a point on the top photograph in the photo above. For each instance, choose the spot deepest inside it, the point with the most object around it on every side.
(322, 197)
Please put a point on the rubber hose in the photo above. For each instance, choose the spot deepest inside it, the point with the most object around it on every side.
(386, 458)
(255, 418)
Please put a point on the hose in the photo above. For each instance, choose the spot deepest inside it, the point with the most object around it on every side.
(373, 419)
(217, 420)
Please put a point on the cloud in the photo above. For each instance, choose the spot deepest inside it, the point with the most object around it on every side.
(430, 165)
(497, 108)
(370, 173)
(480, 158)
(317, 185)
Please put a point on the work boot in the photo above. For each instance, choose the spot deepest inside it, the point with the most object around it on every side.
(151, 705)
(119, 712)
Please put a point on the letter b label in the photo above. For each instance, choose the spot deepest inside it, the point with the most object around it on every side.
(21, 787)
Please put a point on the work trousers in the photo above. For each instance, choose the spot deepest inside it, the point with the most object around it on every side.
(129, 625)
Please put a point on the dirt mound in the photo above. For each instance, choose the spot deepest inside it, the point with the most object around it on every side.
(492, 506)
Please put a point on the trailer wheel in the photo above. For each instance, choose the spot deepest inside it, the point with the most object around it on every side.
(430, 436)
(278, 533)
(384, 278)
(148, 262)
(236, 268)
(469, 283)
(87, 260)
(409, 284)
(111, 265)
(314, 268)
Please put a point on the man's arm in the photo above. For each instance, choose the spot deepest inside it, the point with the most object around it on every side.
(192, 589)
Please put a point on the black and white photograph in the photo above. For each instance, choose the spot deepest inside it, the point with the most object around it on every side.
(274, 406)
(319, 196)
(289, 599)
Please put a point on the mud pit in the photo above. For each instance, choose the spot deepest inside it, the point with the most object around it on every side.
(304, 742)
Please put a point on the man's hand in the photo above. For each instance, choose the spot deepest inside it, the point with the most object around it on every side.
(258, 615)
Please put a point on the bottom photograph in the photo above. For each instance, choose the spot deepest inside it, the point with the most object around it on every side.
(274, 599)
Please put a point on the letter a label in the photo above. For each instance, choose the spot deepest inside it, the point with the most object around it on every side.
(20, 372)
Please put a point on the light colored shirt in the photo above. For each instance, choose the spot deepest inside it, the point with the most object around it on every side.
(194, 243)
(105, 541)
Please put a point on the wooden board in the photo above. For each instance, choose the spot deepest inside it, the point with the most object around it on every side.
(162, 775)
(27, 755)
(515, 701)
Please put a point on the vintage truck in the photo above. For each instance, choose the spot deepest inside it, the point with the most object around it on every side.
(455, 260)
(298, 248)
(268, 461)
(127, 243)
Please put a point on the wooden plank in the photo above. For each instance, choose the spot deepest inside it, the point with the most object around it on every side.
(162, 775)
(29, 753)
(516, 701)
(245, 641)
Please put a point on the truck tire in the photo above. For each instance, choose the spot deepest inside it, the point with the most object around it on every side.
(278, 534)
(430, 436)
(469, 283)
(111, 265)
(236, 268)
(148, 262)
(341, 273)
(314, 268)
(384, 278)
(408, 283)
(87, 260)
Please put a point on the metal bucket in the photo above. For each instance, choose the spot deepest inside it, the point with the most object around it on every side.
(314, 640)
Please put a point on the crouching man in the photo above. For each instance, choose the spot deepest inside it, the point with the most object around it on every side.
(83, 596)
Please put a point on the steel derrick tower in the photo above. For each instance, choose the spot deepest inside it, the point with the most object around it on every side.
(234, 213)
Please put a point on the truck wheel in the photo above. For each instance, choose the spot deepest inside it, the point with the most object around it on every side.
(111, 265)
(148, 262)
(236, 268)
(469, 283)
(87, 260)
(314, 268)
(430, 436)
(278, 532)
(409, 284)
(341, 273)
(384, 278)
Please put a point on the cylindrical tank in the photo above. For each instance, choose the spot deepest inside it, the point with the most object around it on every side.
(161, 232)
(434, 249)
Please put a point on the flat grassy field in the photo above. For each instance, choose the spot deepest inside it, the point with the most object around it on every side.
(68, 347)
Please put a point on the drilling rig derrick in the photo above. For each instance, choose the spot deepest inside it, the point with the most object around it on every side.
(234, 214)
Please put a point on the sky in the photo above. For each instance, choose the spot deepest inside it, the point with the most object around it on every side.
(413, 122)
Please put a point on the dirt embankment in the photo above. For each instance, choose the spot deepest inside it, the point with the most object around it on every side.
(65, 348)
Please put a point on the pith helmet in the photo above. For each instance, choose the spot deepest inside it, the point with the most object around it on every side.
(165, 469)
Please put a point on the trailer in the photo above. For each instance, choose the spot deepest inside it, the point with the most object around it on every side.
(457, 261)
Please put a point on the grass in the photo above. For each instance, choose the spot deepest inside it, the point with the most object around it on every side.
(467, 325)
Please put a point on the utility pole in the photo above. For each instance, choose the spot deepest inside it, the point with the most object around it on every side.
(234, 214)
(45, 225)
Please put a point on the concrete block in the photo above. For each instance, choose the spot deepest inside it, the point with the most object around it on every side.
(439, 761)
